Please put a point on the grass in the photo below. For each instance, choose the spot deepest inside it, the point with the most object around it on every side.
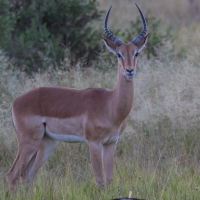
(175, 182)
(171, 12)
(157, 157)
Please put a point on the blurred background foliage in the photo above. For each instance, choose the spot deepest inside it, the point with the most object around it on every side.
(38, 34)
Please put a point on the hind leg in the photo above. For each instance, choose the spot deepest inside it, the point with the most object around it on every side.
(29, 139)
(27, 170)
(46, 146)
(24, 155)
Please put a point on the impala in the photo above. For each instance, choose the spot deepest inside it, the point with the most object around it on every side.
(96, 116)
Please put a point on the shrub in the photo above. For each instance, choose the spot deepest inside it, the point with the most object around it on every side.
(37, 33)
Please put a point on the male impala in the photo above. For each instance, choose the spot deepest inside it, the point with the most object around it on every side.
(96, 116)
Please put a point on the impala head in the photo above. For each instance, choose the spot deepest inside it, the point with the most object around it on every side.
(127, 53)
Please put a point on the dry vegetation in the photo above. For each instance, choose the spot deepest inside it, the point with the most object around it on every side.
(158, 156)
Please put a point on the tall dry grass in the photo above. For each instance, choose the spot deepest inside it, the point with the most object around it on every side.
(171, 12)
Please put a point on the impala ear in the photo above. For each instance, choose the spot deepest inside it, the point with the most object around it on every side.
(142, 43)
(111, 46)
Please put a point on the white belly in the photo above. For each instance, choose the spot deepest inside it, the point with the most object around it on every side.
(64, 137)
(71, 130)
(67, 126)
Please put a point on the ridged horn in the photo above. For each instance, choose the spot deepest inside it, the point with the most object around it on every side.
(137, 39)
(115, 39)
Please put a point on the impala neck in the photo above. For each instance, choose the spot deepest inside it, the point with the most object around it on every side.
(123, 96)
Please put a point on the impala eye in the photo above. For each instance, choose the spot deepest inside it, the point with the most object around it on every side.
(119, 56)
(137, 54)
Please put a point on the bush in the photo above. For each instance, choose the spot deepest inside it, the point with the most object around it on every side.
(37, 33)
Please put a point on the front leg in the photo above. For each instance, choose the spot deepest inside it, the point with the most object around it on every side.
(108, 157)
(97, 162)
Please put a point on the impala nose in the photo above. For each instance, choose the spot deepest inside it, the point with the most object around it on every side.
(129, 73)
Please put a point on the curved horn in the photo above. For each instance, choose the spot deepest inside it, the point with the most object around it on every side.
(137, 39)
(116, 40)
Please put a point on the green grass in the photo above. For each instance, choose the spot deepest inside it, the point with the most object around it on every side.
(175, 182)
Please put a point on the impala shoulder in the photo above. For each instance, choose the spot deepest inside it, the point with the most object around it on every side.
(97, 91)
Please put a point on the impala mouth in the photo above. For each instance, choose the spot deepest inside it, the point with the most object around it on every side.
(130, 77)
(129, 74)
